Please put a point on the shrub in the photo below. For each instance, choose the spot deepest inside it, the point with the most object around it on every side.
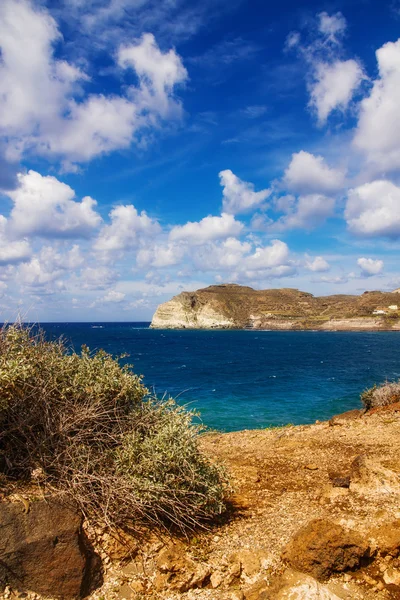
(87, 427)
(382, 395)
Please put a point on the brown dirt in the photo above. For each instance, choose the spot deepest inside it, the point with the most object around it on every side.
(283, 478)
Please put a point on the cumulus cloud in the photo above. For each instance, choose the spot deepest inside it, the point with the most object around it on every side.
(160, 256)
(370, 266)
(243, 260)
(332, 81)
(317, 264)
(239, 196)
(309, 174)
(378, 131)
(308, 212)
(158, 73)
(49, 266)
(127, 229)
(42, 107)
(208, 229)
(44, 206)
(333, 85)
(113, 296)
(373, 209)
(97, 278)
(12, 251)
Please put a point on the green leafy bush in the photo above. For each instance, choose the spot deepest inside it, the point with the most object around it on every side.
(382, 395)
(85, 425)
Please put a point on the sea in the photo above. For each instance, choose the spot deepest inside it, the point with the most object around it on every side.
(248, 379)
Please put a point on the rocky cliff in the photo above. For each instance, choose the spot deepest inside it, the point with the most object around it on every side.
(231, 306)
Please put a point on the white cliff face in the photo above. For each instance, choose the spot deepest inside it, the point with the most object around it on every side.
(175, 314)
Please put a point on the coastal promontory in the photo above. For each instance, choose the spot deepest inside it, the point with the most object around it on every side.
(231, 306)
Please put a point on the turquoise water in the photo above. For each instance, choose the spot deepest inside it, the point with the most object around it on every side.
(249, 379)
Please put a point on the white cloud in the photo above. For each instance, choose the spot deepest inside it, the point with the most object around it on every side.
(332, 26)
(378, 129)
(309, 212)
(309, 174)
(12, 251)
(370, 267)
(333, 86)
(317, 264)
(158, 74)
(242, 261)
(113, 296)
(239, 196)
(373, 209)
(160, 256)
(332, 81)
(44, 206)
(126, 231)
(49, 266)
(226, 255)
(208, 229)
(268, 257)
(97, 278)
(42, 106)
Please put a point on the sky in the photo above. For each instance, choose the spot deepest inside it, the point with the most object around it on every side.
(149, 147)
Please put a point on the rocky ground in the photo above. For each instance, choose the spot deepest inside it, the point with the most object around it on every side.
(315, 514)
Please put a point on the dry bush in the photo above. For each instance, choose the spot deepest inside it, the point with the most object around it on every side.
(382, 395)
(89, 428)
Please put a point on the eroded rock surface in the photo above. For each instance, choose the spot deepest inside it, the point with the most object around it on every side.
(42, 549)
(322, 548)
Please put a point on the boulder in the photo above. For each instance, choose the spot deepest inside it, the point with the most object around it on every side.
(321, 548)
(43, 550)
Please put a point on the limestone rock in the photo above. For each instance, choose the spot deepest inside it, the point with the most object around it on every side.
(42, 550)
(321, 548)
(294, 586)
(178, 571)
(370, 478)
(387, 537)
(346, 417)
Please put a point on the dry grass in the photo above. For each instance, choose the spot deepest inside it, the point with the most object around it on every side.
(382, 395)
(86, 427)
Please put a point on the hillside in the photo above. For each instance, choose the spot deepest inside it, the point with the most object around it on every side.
(230, 306)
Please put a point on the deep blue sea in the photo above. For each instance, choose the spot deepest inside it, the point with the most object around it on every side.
(249, 379)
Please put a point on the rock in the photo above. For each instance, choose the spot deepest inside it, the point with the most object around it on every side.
(237, 595)
(346, 417)
(369, 477)
(291, 586)
(44, 550)
(339, 480)
(392, 577)
(387, 537)
(296, 586)
(249, 560)
(178, 571)
(172, 559)
(216, 579)
(311, 467)
(321, 548)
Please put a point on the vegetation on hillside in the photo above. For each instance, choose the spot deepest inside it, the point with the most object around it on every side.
(382, 395)
(84, 425)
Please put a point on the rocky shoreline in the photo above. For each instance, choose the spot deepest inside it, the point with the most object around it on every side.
(314, 515)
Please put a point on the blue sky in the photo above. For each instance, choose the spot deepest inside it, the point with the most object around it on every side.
(153, 146)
